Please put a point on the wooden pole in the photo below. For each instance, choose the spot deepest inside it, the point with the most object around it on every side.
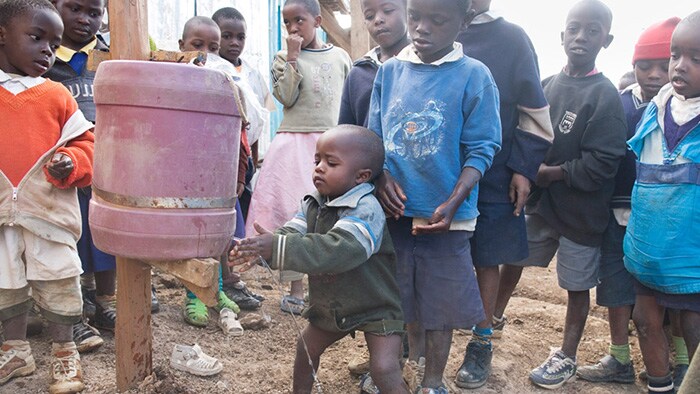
(134, 352)
(360, 42)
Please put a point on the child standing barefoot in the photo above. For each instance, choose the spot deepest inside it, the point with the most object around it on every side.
(308, 80)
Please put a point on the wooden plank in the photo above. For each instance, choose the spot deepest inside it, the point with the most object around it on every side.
(177, 57)
(201, 276)
(129, 30)
(337, 34)
(133, 328)
(360, 42)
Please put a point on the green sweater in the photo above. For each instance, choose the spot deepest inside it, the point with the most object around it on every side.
(344, 247)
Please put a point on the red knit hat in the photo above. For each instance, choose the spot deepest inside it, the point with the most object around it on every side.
(655, 41)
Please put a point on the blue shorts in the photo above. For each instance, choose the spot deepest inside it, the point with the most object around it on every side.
(500, 236)
(92, 259)
(616, 284)
(679, 302)
(436, 278)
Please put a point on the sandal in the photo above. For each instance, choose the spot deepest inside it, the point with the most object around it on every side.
(291, 304)
(229, 324)
(193, 360)
(195, 312)
(225, 302)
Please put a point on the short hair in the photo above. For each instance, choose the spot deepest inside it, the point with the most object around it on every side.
(606, 13)
(368, 146)
(692, 19)
(10, 9)
(466, 5)
(227, 13)
(312, 6)
(196, 21)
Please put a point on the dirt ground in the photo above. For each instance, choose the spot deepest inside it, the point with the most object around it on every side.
(261, 361)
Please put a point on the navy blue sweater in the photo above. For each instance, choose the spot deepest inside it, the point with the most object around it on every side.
(627, 173)
(508, 53)
(357, 92)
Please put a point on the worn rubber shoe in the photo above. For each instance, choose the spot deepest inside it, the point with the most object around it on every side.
(105, 315)
(225, 302)
(86, 337)
(15, 361)
(476, 367)
(192, 359)
(679, 372)
(608, 369)
(555, 371)
(66, 373)
(498, 325)
(367, 385)
(413, 373)
(155, 305)
(429, 390)
(360, 364)
(243, 300)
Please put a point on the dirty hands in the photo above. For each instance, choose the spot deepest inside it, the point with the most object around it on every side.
(518, 192)
(60, 166)
(247, 252)
(390, 195)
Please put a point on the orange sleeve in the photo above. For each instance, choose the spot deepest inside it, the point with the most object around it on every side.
(80, 150)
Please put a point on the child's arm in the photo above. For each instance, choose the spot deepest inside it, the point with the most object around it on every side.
(285, 76)
(71, 166)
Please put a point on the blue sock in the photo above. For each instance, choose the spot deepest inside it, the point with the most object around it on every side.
(482, 335)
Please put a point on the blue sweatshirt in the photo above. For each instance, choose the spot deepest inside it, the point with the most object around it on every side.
(435, 120)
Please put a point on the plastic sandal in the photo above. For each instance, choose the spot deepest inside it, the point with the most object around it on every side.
(229, 324)
(225, 302)
(291, 304)
(195, 312)
(192, 359)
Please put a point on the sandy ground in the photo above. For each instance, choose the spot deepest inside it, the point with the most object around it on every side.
(261, 361)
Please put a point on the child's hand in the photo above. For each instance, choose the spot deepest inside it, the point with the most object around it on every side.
(60, 166)
(390, 195)
(440, 221)
(240, 188)
(519, 190)
(247, 251)
(548, 174)
(294, 42)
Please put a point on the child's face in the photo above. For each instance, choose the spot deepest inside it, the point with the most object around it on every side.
(201, 37)
(651, 75)
(586, 33)
(385, 20)
(232, 39)
(82, 20)
(434, 26)
(298, 20)
(28, 43)
(684, 67)
(337, 169)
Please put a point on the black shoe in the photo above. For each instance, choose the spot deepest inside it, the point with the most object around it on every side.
(86, 337)
(244, 301)
(476, 367)
(155, 305)
(679, 372)
(88, 302)
(105, 316)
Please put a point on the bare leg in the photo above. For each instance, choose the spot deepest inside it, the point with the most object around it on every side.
(384, 363)
(690, 322)
(576, 314)
(16, 327)
(105, 283)
(437, 350)
(510, 276)
(648, 317)
(297, 289)
(317, 340)
(488, 278)
(619, 318)
(61, 333)
(416, 341)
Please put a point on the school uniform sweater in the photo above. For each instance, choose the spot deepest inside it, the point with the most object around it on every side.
(311, 93)
(589, 143)
(37, 123)
(634, 107)
(357, 92)
(526, 131)
(344, 247)
(435, 119)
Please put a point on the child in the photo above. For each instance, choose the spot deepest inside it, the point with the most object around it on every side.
(48, 153)
(202, 34)
(233, 37)
(386, 22)
(437, 112)
(308, 80)
(356, 292)
(615, 289)
(569, 210)
(82, 19)
(500, 235)
(662, 243)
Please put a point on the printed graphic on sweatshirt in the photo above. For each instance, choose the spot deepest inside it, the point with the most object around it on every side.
(416, 135)
(321, 77)
(567, 122)
(81, 88)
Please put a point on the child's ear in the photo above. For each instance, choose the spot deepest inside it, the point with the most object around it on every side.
(608, 41)
(182, 45)
(363, 176)
(318, 19)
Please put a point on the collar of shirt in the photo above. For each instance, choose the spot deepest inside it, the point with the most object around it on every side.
(373, 55)
(65, 54)
(18, 83)
(636, 91)
(348, 200)
(590, 74)
(485, 17)
(684, 109)
(409, 54)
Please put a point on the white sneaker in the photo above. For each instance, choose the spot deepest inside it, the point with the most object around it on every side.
(66, 373)
(15, 360)
(191, 359)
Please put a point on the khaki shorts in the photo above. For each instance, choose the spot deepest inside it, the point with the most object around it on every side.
(60, 300)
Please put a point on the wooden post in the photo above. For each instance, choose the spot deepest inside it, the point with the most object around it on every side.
(360, 41)
(129, 41)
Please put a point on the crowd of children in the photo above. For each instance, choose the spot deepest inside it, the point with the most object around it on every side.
(442, 166)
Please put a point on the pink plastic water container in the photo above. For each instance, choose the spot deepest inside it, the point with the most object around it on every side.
(166, 158)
